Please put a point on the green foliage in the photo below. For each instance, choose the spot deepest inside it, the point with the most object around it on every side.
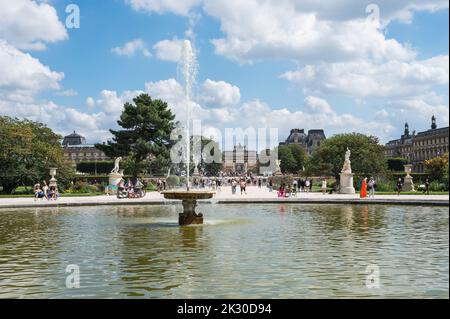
(173, 181)
(28, 150)
(367, 156)
(147, 125)
(396, 164)
(283, 179)
(84, 187)
(436, 167)
(209, 149)
(293, 158)
(102, 167)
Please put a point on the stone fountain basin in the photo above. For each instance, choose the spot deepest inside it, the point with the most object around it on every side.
(188, 195)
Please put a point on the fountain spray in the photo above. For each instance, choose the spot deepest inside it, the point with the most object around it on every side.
(188, 67)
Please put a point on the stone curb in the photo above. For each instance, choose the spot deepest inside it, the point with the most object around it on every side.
(403, 202)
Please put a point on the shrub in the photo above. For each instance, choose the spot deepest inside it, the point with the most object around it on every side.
(83, 187)
(173, 181)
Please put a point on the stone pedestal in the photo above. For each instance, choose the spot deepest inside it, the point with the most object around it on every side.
(189, 216)
(408, 185)
(189, 201)
(114, 178)
(346, 184)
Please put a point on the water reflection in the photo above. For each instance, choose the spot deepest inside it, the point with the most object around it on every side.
(248, 251)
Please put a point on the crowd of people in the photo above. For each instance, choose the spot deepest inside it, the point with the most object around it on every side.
(129, 189)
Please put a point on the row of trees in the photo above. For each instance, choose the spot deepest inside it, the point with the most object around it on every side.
(29, 149)
(367, 156)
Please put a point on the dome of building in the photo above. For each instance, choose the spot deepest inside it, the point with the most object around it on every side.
(297, 136)
(73, 139)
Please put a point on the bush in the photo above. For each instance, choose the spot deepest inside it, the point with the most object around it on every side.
(83, 187)
(436, 186)
(173, 181)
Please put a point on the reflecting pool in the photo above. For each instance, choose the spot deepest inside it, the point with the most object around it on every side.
(242, 251)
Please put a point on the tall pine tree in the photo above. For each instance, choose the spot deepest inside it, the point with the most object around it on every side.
(147, 124)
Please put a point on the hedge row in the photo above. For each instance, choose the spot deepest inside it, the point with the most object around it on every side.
(102, 167)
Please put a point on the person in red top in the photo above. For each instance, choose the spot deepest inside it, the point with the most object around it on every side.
(363, 191)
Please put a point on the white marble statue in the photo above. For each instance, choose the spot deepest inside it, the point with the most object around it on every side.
(347, 164)
(116, 168)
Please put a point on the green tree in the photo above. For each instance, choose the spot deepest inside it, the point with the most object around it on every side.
(288, 164)
(211, 150)
(145, 136)
(436, 167)
(28, 150)
(367, 155)
(293, 158)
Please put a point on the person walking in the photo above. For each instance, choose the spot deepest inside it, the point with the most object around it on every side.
(233, 187)
(324, 186)
(399, 186)
(243, 186)
(427, 186)
(270, 186)
(363, 190)
(371, 185)
(307, 185)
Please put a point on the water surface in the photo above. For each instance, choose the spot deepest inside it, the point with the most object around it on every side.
(243, 251)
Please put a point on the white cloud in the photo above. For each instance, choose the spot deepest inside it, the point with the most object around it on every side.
(30, 24)
(131, 48)
(169, 50)
(164, 6)
(287, 29)
(317, 105)
(69, 92)
(90, 102)
(364, 78)
(23, 75)
(220, 94)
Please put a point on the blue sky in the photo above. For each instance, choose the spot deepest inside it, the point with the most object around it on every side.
(283, 64)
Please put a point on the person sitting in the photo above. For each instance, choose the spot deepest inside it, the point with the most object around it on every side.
(52, 195)
(38, 192)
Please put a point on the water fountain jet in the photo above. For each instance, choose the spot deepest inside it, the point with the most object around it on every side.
(188, 68)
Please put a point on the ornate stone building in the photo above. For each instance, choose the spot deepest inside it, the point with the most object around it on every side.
(417, 148)
(76, 150)
(309, 141)
(240, 160)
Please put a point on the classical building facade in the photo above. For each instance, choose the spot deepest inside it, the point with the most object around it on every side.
(240, 160)
(309, 141)
(76, 150)
(418, 147)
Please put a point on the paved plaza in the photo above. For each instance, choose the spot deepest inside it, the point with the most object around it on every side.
(254, 195)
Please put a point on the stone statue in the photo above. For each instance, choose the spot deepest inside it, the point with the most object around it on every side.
(347, 155)
(116, 165)
(347, 164)
(346, 177)
(277, 167)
